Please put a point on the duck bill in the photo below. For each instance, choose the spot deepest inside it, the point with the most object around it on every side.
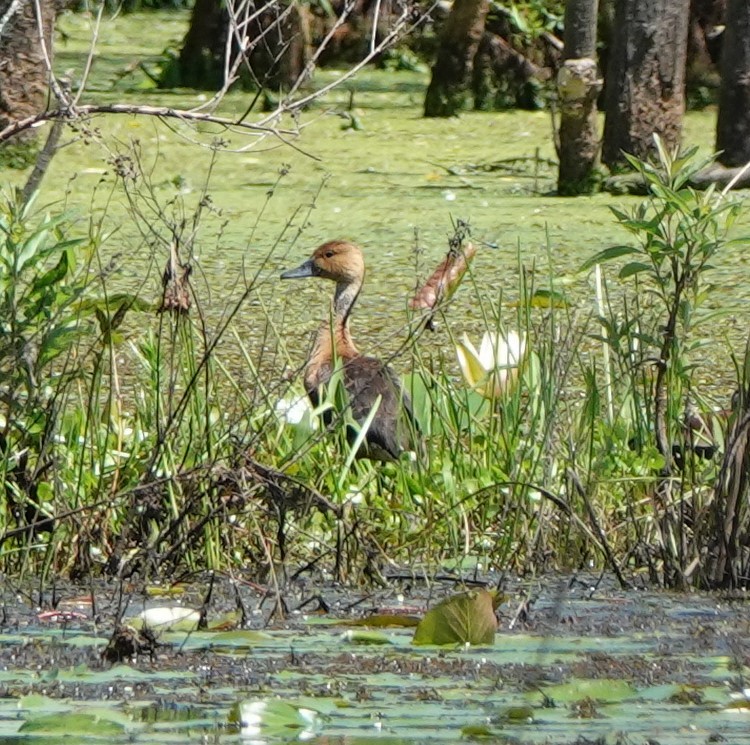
(306, 269)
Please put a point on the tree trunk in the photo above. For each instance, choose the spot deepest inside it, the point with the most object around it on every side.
(201, 60)
(578, 87)
(449, 87)
(23, 73)
(502, 78)
(733, 125)
(704, 43)
(646, 77)
(277, 47)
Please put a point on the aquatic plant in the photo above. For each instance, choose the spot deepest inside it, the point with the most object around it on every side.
(493, 369)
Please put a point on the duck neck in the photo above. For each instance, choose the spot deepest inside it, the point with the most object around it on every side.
(334, 337)
(343, 301)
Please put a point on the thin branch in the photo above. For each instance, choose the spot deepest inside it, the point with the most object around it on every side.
(300, 103)
(12, 8)
(375, 15)
(57, 89)
(135, 110)
(310, 66)
(90, 56)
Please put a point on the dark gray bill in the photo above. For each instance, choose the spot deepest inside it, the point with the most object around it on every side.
(306, 269)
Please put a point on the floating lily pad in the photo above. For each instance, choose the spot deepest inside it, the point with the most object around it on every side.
(385, 620)
(468, 618)
(605, 690)
(83, 724)
(365, 637)
(269, 718)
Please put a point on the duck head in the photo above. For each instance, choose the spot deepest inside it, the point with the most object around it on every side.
(339, 261)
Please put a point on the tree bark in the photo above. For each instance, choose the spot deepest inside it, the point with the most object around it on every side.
(23, 72)
(646, 77)
(450, 85)
(733, 125)
(578, 87)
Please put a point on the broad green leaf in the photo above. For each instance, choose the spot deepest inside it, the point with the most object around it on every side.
(634, 267)
(31, 249)
(116, 300)
(468, 618)
(608, 254)
(53, 276)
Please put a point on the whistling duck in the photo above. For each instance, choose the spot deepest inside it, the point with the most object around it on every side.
(365, 378)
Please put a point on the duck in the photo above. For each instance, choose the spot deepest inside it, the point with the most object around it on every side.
(365, 378)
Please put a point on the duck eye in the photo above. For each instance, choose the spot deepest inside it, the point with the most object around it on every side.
(329, 254)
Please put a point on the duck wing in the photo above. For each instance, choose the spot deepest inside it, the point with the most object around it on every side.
(365, 379)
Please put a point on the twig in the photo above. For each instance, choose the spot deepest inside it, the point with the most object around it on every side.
(12, 8)
(163, 112)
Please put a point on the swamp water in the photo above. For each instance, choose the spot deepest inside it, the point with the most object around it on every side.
(394, 182)
(580, 665)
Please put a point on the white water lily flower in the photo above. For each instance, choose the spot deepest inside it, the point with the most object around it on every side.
(494, 368)
(295, 410)
(272, 719)
(164, 618)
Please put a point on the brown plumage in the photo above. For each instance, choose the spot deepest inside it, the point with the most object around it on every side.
(365, 378)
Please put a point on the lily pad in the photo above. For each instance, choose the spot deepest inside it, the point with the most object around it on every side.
(266, 718)
(83, 724)
(365, 637)
(468, 618)
(384, 620)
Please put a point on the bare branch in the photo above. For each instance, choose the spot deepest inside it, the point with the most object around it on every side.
(57, 89)
(12, 8)
(248, 28)
(162, 112)
(90, 56)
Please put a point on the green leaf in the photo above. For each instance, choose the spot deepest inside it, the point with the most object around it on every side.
(634, 267)
(608, 254)
(115, 300)
(56, 342)
(53, 276)
(548, 299)
(384, 620)
(264, 719)
(365, 638)
(83, 724)
(468, 618)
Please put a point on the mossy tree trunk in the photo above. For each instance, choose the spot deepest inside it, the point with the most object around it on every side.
(276, 49)
(733, 124)
(24, 85)
(646, 77)
(578, 86)
(450, 85)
